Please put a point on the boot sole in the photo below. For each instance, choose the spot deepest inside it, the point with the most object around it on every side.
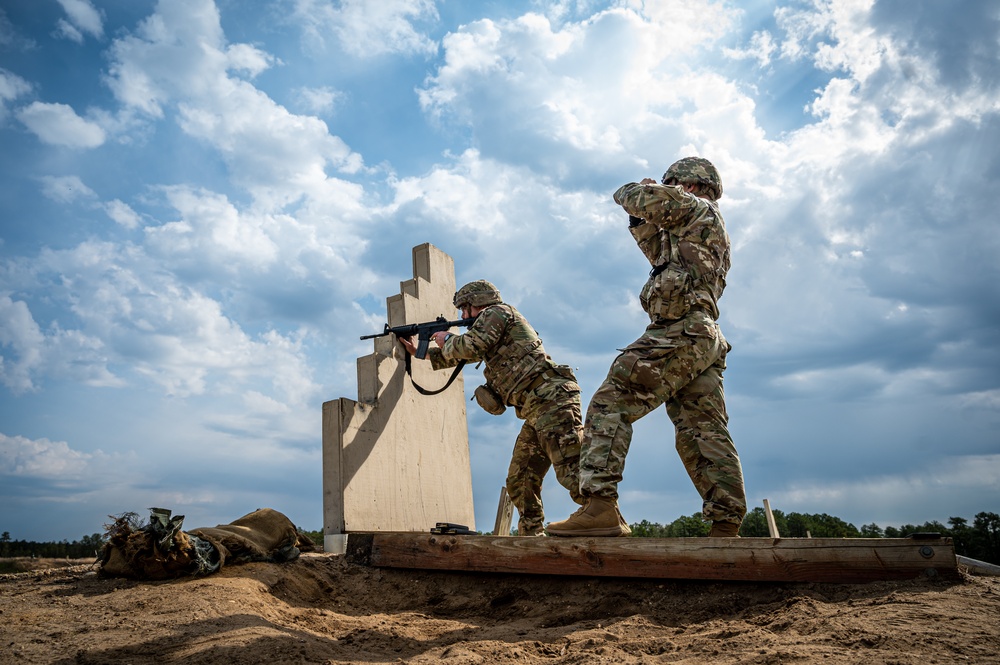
(609, 532)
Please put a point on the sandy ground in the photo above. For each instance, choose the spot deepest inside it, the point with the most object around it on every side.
(323, 609)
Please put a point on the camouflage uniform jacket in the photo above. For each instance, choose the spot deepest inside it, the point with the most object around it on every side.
(516, 362)
(686, 231)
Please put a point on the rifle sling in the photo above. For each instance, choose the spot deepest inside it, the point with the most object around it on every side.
(424, 391)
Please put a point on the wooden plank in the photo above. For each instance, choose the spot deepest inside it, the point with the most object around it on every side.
(977, 567)
(840, 560)
(772, 527)
(505, 513)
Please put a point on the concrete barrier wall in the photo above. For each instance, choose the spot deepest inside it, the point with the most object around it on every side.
(396, 460)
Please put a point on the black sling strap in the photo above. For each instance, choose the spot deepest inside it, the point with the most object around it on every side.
(424, 391)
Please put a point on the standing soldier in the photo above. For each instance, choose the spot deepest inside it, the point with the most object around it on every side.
(518, 373)
(678, 361)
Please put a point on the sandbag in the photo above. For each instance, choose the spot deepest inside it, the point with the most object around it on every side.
(161, 550)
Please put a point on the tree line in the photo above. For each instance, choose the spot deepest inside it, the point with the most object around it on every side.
(979, 540)
(86, 547)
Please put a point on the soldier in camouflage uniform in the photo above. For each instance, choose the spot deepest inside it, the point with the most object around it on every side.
(519, 373)
(678, 361)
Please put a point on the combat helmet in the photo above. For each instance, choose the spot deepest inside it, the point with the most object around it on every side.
(696, 169)
(479, 293)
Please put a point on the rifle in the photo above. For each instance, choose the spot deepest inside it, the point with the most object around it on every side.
(423, 331)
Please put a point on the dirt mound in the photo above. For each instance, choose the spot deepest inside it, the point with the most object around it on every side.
(322, 609)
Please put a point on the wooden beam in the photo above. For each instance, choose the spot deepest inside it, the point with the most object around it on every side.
(772, 527)
(505, 513)
(840, 560)
(977, 567)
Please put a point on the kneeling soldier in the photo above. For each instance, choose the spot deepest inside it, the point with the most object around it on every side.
(518, 373)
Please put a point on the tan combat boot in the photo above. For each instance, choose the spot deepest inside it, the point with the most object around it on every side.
(599, 516)
(625, 526)
(724, 530)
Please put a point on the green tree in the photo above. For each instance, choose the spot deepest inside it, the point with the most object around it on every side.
(798, 526)
(754, 524)
(828, 526)
(985, 544)
(647, 529)
(88, 546)
(872, 531)
(688, 527)
(961, 533)
(315, 536)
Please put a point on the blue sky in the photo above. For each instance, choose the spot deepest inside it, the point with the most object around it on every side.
(205, 204)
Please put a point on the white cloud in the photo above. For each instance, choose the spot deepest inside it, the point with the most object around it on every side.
(83, 17)
(367, 29)
(986, 399)
(12, 86)
(761, 49)
(71, 189)
(887, 88)
(211, 229)
(301, 265)
(246, 58)
(176, 51)
(683, 26)
(58, 124)
(66, 30)
(66, 189)
(301, 234)
(28, 352)
(21, 342)
(41, 458)
(132, 319)
(179, 56)
(122, 213)
(8, 35)
(319, 101)
(560, 101)
(257, 403)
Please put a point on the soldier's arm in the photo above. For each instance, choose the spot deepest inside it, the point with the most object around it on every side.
(655, 203)
(438, 361)
(482, 335)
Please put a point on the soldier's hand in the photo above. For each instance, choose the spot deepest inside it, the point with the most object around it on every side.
(408, 345)
(440, 337)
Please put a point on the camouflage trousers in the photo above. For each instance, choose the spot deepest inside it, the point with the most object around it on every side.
(679, 365)
(549, 437)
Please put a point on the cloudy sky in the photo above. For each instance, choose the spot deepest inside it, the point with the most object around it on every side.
(205, 204)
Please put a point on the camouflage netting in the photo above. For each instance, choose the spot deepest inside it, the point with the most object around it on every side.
(161, 550)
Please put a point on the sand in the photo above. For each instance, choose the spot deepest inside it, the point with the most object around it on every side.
(321, 608)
